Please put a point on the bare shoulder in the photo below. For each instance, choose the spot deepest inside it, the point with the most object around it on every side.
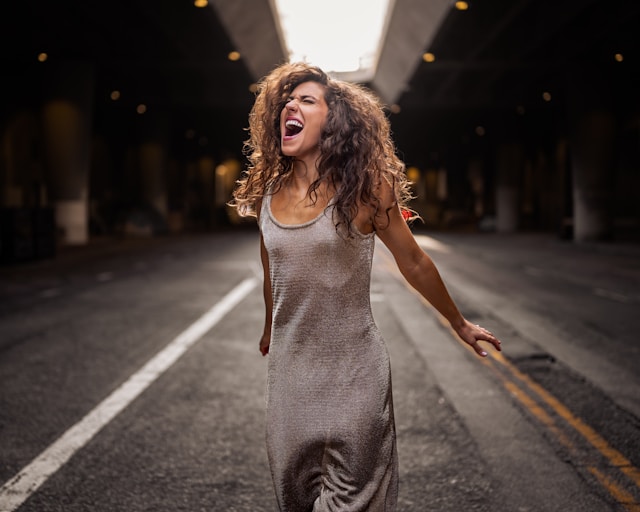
(387, 204)
(385, 193)
(372, 216)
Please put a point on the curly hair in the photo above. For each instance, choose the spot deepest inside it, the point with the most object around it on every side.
(356, 149)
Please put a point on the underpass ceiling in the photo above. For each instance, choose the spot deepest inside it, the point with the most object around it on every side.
(168, 54)
(497, 53)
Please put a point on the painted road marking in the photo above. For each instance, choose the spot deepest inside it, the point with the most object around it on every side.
(16, 491)
(513, 379)
(103, 277)
(615, 458)
(608, 294)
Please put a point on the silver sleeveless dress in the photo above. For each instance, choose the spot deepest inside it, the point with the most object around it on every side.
(330, 426)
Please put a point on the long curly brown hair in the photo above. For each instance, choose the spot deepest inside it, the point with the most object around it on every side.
(357, 151)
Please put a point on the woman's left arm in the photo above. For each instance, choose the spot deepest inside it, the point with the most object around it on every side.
(420, 272)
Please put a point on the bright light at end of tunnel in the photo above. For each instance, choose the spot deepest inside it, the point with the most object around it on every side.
(350, 45)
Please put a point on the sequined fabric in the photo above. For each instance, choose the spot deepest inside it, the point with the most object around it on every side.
(330, 427)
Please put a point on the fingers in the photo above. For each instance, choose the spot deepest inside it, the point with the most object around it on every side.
(485, 335)
(265, 341)
(478, 349)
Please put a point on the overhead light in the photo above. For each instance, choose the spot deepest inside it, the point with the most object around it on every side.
(115, 95)
(141, 109)
(480, 131)
(200, 3)
(619, 57)
(234, 56)
(428, 57)
(42, 57)
(462, 6)
(546, 96)
(395, 108)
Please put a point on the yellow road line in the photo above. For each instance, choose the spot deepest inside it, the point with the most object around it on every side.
(617, 492)
(536, 410)
(620, 495)
(617, 459)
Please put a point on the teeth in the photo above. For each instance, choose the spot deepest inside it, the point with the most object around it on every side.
(293, 123)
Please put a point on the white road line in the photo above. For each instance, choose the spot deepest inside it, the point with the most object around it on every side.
(609, 294)
(16, 491)
(103, 277)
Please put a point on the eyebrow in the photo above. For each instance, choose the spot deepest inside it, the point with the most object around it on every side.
(304, 96)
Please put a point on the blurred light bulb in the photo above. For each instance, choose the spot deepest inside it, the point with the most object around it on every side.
(428, 57)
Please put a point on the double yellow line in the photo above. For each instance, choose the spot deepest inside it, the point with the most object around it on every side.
(533, 396)
(538, 401)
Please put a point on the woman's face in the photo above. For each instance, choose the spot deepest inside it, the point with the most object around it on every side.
(302, 119)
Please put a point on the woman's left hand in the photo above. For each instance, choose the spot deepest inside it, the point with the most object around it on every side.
(471, 334)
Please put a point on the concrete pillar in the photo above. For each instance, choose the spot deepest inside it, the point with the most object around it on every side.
(206, 169)
(592, 135)
(475, 174)
(67, 124)
(510, 160)
(20, 172)
(592, 161)
(153, 160)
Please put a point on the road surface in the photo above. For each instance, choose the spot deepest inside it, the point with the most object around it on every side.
(130, 377)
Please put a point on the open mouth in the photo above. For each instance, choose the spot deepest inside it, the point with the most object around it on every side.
(292, 127)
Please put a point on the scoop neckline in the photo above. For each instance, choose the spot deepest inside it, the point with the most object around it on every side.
(300, 225)
(310, 221)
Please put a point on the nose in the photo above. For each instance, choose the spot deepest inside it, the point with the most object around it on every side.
(291, 104)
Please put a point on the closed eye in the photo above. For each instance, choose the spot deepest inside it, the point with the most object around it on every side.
(303, 99)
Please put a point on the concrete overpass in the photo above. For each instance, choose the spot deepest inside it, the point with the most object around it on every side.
(129, 116)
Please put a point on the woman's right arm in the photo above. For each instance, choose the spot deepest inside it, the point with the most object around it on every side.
(265, 340)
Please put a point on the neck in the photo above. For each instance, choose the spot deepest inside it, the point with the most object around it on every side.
(304, 173)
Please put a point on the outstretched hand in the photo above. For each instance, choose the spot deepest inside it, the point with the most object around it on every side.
(472, 334)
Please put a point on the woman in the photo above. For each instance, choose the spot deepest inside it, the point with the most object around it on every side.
(323, 180)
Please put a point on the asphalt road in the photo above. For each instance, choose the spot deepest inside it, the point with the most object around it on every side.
(551, 426)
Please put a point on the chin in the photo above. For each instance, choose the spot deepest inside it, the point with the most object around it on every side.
(287, 151)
